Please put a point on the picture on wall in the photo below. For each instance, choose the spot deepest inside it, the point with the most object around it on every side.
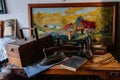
(2, 7)
(95, 19)
(10, 28)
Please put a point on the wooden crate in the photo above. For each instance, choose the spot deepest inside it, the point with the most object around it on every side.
(23, 53)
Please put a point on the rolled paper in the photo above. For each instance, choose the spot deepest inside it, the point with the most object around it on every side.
(102, 58)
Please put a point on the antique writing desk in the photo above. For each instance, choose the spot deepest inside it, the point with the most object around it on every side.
(109, 71)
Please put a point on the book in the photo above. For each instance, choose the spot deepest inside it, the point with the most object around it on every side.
(99, 49)
(73, 63)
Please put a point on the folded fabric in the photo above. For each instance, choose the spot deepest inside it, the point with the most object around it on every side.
(3, 43)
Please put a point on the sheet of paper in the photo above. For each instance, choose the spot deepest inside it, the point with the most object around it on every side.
(37, 68)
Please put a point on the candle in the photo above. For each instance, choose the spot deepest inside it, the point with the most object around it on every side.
(69, 35)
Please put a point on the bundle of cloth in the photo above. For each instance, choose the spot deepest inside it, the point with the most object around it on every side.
(3, 54)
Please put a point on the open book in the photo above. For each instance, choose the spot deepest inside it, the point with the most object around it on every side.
(73, 63)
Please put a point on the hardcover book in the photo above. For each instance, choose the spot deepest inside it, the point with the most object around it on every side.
(73, 63)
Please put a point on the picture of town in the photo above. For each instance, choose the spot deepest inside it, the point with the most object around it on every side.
(94, 21)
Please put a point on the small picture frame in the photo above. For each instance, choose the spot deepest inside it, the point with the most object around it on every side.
(2, 7)
(10, 28)
(1, 28)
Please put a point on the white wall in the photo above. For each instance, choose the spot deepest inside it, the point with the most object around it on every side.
(18, 9)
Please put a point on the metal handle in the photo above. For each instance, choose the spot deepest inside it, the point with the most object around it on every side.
(11, 49)
(114, 74)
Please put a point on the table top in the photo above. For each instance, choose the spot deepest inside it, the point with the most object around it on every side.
(91, 66)
(86, 68)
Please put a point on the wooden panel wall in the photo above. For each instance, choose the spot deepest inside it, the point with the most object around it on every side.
(118, 28)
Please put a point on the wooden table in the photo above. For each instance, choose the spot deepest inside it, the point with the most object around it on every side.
(109, 71)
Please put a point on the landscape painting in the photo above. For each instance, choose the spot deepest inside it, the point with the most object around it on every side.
(97, 21)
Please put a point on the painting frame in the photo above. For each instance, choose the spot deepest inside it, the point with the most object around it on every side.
(10, 28)
(2, 7)
(94, 4)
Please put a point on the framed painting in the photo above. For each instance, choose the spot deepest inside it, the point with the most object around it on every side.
(2, 7)
(10, 28)
(96, 19)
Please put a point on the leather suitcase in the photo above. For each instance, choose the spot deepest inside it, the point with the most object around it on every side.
(23, 53)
